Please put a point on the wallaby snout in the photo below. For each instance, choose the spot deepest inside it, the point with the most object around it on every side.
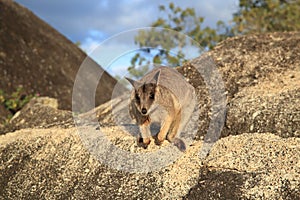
(144, 111)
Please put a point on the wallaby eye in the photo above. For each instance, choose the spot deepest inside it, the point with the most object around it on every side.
(151, 96)
(137, 97)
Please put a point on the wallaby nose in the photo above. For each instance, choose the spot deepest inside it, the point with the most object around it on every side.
(144, 111)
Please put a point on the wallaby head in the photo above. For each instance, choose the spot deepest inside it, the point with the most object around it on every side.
(144, 93)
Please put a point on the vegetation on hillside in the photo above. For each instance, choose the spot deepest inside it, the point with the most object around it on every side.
(15, 101)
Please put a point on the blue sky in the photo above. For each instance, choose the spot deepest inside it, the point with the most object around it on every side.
(93, 21)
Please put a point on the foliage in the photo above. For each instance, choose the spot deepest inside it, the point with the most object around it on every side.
(78, 43)
(158, 44)
(258, 16)
(14, 101)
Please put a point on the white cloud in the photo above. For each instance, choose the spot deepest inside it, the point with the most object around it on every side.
(112, 55)
(74, 18)
(89, 44)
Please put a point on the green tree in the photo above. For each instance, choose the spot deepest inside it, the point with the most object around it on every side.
(258, 16)
(158, 45)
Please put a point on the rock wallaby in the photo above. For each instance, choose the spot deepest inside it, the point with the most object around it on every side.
(164, 91)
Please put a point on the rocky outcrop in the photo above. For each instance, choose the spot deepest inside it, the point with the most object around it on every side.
(37, 58)
(41, 112)
(257, 156)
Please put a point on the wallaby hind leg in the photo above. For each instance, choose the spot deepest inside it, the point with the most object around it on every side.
(173, 133)
(186, 115)
(161, 136)
(174, 127)
(179, 143)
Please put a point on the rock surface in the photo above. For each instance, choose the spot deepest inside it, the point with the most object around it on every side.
(262, 78)
(250, 166)
(258, 156)
(53, 164)
(270, 106)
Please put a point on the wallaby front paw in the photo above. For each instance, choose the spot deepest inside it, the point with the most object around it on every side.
(143, 144)
(158, 141)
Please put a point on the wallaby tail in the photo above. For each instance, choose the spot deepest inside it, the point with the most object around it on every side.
(179, 144)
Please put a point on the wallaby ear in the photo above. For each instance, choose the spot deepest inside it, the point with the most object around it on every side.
(156, 77)
(134, 83)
